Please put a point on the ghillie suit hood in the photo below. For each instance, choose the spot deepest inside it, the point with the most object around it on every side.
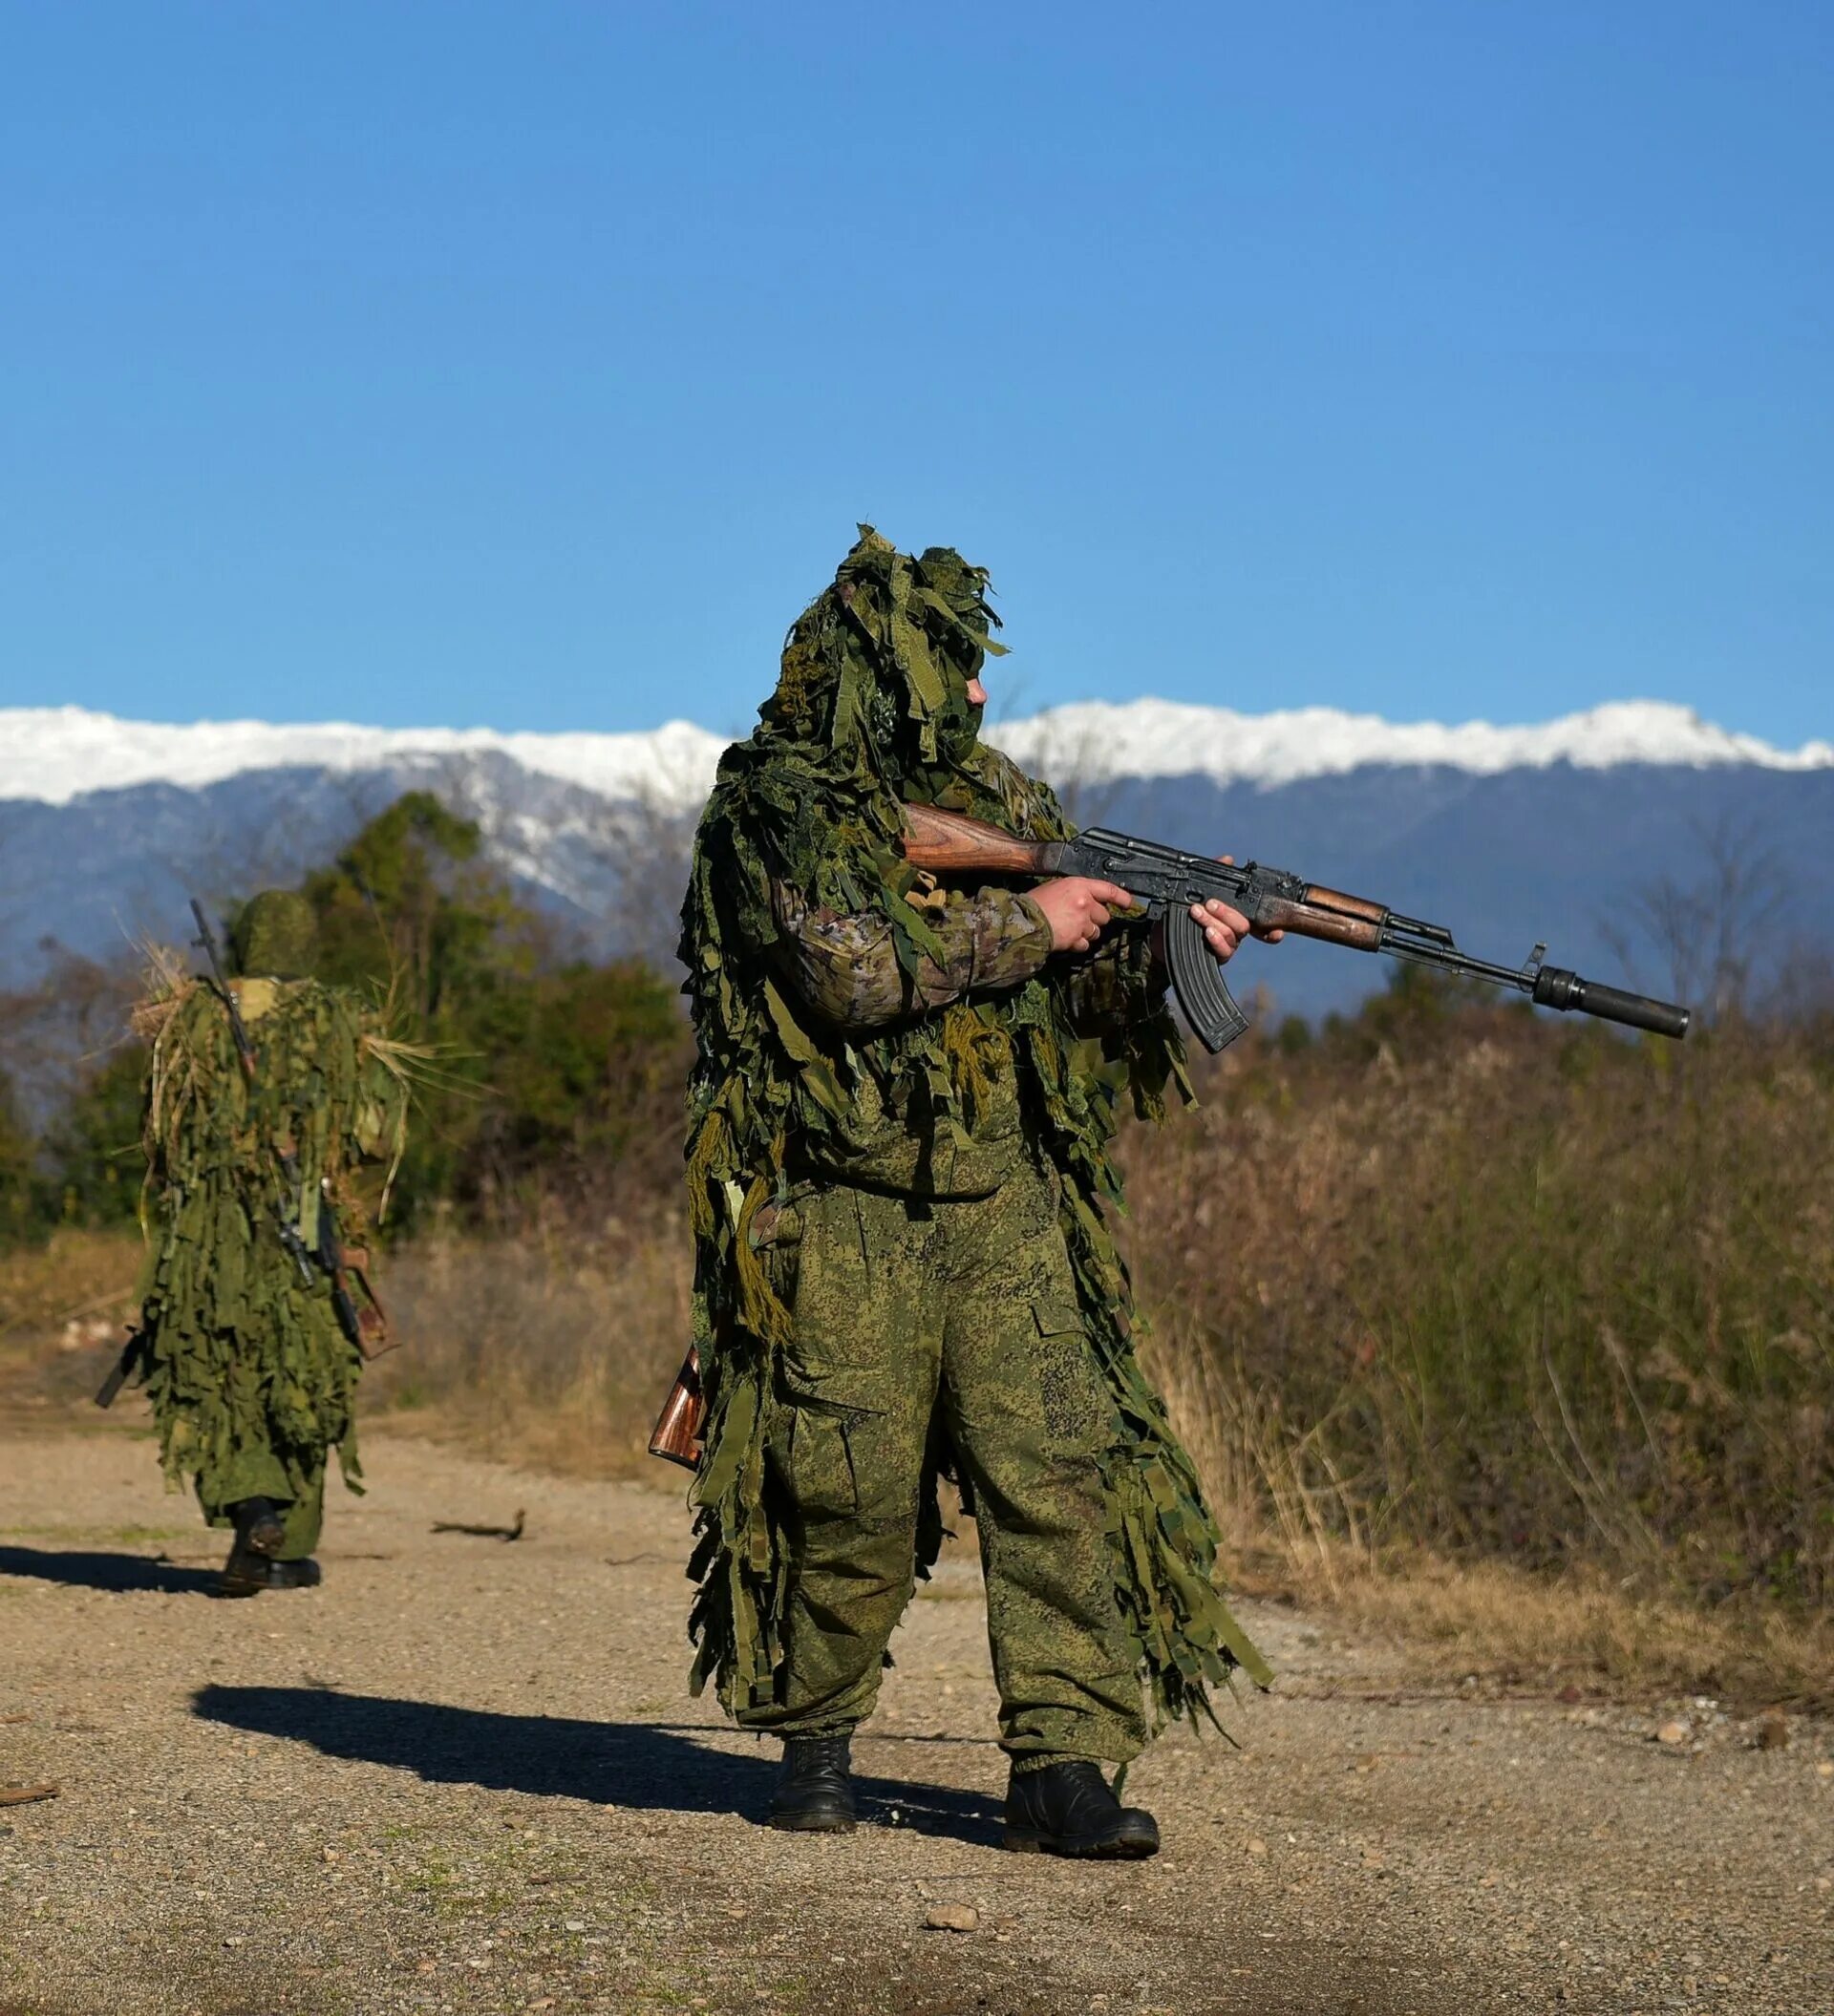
(276, 936)
(871, 710)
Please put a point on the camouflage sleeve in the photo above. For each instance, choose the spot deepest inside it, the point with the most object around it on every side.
(1121, 980)
(847, 967)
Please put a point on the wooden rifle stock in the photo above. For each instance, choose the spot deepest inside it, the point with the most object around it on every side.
(951, 844)
(678, 1431)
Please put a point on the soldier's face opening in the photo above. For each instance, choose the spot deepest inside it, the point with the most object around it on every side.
(976, 692)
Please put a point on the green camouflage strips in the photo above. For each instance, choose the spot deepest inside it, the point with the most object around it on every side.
(803, 826)
(250, 1378)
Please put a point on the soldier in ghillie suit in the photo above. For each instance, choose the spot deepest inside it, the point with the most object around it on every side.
(247, 1361)
(899, 1166)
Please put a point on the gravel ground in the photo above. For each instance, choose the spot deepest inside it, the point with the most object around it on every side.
(465, 1775)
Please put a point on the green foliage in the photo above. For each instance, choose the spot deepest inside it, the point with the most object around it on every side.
(1293, 1036)
(1417, 1012)
(546, 1079)
(89, 1165)
(18, 1200)
(542, 1061)
(409, 908)
(577, 1051)
(546, 1073)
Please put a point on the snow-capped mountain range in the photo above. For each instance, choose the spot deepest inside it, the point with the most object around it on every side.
(54, 754)
(1558, 830)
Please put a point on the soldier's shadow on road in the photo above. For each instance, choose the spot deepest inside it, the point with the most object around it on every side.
(107, 1571)
(650, 1765)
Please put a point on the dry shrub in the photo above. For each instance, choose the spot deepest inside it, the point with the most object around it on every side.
(1582, 1628)
(553, 1346)
(547, 1325)
(64, 1307)
(1509, 1292)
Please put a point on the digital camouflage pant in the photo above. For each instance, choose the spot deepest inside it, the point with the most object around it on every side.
(909, 1310)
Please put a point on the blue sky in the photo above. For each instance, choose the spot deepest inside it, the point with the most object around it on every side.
(531, 363)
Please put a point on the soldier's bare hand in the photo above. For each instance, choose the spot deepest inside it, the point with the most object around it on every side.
(1225, 926)
(1078, 908)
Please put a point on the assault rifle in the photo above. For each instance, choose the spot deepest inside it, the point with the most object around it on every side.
(1166, 881)
(366, 1324)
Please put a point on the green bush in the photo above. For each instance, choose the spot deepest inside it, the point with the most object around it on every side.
(19, 1203)
(88, 1166)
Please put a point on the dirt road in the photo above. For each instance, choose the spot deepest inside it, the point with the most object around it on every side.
(465, 1775)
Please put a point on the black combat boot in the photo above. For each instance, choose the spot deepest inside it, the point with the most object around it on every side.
(247, 1574)
(243, 1574)
(260, 1533)
(814, 1790)
(1066, 1808)
(259, 1527)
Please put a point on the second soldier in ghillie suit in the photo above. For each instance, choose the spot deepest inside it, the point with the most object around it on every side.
(899, 1168)
(251, 1374)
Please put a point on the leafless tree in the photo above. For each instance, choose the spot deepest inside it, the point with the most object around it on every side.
(627, 866)
(1713, 928)
(55, 1031)
(656, 841)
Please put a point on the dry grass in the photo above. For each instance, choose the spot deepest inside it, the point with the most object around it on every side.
(554, 1348)
(63, 1309)
(1512, 1295)
(1517, 1345)
(1511, 1629)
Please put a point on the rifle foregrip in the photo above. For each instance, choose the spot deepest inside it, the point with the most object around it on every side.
(1355, 929)
(1556, 988)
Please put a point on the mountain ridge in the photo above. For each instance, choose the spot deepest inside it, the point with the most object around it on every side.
(1566, 831)
(53, 756)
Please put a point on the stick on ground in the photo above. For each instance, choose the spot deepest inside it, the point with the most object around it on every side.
(483, 1533)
